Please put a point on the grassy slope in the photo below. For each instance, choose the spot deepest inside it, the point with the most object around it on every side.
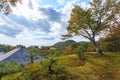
(106, 67)
(11, 76)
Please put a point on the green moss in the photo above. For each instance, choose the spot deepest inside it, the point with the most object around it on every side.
(71, 61)
(11, 76)
(106, 67)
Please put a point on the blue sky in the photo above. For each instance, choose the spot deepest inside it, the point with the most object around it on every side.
(37, 22)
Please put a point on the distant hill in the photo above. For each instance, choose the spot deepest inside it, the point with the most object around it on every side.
(64, 44)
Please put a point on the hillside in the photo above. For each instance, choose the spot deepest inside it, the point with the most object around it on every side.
(106, 67)
(64, 44)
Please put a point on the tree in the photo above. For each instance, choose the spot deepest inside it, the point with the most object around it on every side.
(68, 50)
(6, 48)
(13, 66)
(50, 59)
(5, 5)
(112, 40)
(80, 52)
(2, 67)
(34, 53)
(9, 67)
(91, 21)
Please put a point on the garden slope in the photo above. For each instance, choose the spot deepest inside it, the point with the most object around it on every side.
(106, 67)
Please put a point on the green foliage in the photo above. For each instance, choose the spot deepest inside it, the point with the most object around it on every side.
(13, 67)
(34, 53)
(26, 76)
(2, 67)
(64, 44)
(6, 48)
(91, 21)
(111, 42)
(74, 45)
(50, 59)
(28, 70)
(80, 52)
(58, 68)
(12, 76)
(113, 39)
(86, 46)
(45, 63)
(8, 68)
(106, 67)
(70, 61)
(83, 46)
(68, 50)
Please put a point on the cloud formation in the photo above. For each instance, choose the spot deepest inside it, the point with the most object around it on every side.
(36, 21)
(9, 30)
(52, 14)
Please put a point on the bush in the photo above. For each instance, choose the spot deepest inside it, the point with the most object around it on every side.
(80, 52)
(8, 68)
(50, 59)
(59, 68)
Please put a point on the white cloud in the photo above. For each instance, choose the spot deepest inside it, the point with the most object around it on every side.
(25, 10)
(67, 8)
(61, 1)
(56, 27)
(84, 5)
(36, 24)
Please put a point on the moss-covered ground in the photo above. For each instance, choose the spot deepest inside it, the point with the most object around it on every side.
(106, 67)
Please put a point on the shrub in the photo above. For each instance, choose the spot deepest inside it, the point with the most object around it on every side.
(50, 59)
(80, 52)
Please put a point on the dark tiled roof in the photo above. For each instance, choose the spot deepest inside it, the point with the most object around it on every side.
(17, 54)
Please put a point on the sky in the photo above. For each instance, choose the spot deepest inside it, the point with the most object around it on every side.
(38, 22)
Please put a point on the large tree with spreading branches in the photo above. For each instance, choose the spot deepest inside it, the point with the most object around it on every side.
(90, 22)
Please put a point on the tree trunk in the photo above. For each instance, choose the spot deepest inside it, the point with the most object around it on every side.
(32, 59)
(50, 69)
(0, 75)
(99, 51)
